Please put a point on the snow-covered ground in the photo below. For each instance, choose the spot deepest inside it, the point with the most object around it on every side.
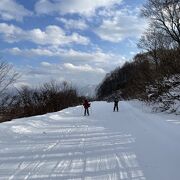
(132, 144)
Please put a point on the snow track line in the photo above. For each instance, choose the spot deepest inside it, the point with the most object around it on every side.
(84, 154)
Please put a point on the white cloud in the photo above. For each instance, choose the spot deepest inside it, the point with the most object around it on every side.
(73, 24)
(11, 10)
(118, 25)
(67, 54)
(132, 53)
(85, 7)
(21, 83)
(78, 67)
(10, 33)
(95, 56)
(52, 35)
(45, 64)
(83, 68)
(79, 75)
(30, 52)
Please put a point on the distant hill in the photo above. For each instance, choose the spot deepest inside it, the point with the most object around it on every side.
(88, 90)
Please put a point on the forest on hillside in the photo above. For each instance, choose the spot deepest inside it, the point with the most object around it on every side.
(154, 74)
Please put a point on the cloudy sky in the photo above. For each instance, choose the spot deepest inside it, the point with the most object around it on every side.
(73, 40)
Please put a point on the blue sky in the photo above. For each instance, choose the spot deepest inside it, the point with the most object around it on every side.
(74, 40)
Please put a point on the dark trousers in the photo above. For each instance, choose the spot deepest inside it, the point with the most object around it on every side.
(116, 107)
(86, 111)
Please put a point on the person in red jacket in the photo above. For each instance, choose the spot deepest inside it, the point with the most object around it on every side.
(86, 105)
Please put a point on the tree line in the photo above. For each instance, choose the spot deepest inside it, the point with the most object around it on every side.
(26, 101)
(154, 74)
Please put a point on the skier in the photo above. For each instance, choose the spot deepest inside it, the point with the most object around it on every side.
(86, 105)
(116, 104)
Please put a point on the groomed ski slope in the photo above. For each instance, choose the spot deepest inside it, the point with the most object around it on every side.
(132, 144)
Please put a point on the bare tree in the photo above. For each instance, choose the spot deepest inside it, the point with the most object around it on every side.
(165, 15)
(154, 41)
(7, 76)
(149, 42)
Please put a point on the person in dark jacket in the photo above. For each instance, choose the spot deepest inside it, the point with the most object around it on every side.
(116, 104)
(86, 105)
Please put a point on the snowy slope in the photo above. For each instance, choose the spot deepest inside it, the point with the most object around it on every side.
(132, 144)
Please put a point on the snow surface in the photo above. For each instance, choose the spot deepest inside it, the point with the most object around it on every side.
(132, 144)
